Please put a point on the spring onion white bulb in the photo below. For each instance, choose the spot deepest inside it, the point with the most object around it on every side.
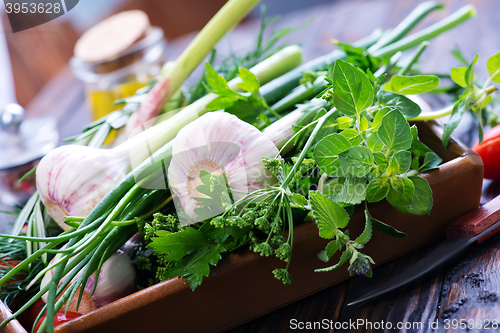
(218, 143)
(282, 130)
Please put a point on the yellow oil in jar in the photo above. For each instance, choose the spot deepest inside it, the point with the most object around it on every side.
(101, 102)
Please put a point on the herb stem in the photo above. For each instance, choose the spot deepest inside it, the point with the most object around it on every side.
(307, 146)
(448, 110)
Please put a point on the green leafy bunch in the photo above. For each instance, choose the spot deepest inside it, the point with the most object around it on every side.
(263, 220)
(267, 42)
(377, 157)
(474, 96)
(249, 105)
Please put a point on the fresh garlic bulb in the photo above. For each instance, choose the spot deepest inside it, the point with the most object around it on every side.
(116, 280)
(218, 143)
(71, 180)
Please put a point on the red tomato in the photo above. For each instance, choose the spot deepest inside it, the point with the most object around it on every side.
(33, 312)
(489, 150)
(59, 318)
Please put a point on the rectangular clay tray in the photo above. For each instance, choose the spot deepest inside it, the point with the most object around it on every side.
(242, 286)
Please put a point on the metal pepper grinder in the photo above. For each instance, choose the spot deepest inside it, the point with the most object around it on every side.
(23, 142)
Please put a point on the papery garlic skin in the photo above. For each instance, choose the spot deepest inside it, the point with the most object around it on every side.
(71, 180)
(219, 143)
(116, 280)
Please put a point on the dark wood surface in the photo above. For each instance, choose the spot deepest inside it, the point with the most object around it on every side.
(466, 288)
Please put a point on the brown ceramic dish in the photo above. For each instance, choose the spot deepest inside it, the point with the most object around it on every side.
(242, 286)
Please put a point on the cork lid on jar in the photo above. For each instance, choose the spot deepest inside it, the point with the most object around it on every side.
(113, 36)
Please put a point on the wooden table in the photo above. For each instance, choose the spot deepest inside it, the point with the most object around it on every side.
(467, 288)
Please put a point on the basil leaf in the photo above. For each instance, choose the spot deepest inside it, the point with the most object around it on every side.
(379, 116)
(414, 135)
(422, 198)
(328, 214)
(399, 163)
(343, 258)
(357, 161)
(458, 76)
(377, 189)
(469, 73)
(367, 232)
(353, 191)
(394, 131)
(327, 150)
(353, 91)
(493, 66)
(331, 248)
(373, 142)
(410, 85)
(431, 162)
(456, 116)
(402, 103)
(401, 192)
(352, 135)
(386, 229)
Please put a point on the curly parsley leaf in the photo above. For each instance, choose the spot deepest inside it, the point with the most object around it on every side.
(191, 250)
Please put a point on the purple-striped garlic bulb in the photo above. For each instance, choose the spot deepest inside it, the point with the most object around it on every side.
(218, 143)
(72, 179)
(116, 280)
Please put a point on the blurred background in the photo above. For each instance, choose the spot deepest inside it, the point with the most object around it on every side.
(37, 54)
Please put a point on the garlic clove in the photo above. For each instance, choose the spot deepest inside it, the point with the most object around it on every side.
(218, 143)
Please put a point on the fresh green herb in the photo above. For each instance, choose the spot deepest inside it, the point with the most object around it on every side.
(248, 106)
(229, 66)
(13, 293)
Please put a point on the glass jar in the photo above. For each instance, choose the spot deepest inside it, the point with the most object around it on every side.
(120, 77)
